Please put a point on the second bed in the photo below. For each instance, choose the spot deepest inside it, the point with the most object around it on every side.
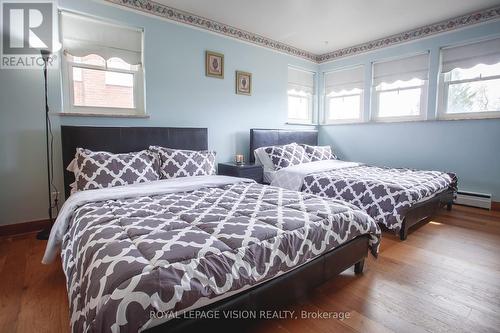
(396, 198)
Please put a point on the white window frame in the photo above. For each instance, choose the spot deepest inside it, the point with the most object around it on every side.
(138, 91)
(360, 119)
(375, 94)
(139, 109)
(307, 121)
(326, 100)
(423, 104)
(311, 98)
(444, 87)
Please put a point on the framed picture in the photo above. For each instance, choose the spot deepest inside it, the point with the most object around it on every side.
(214, 64)
(243, 83)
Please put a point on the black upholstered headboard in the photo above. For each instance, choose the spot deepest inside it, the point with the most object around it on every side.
(126, 139)
(274, 137)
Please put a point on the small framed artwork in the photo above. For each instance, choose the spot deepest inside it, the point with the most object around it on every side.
(214, 64)
(243, 83)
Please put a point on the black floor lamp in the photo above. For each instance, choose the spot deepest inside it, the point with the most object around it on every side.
(44, 234)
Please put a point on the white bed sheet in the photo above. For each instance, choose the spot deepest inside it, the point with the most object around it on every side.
(292, 177)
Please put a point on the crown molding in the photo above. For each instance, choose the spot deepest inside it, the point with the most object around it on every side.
(169, 13)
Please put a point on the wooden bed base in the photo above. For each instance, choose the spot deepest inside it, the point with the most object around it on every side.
(425, 209)
(278, 292)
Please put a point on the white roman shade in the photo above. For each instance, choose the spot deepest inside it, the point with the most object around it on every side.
(470, 55)
(82, 36)
(300, 81)
(405, 69)
(344, 80)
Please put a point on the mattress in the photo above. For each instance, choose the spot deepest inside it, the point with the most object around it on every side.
(177, 245)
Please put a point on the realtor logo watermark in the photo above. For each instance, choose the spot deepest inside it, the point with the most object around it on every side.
(28, 27)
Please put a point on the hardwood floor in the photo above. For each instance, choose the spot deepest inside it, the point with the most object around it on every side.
(444, 277)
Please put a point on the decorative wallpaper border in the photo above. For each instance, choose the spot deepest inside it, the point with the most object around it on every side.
(425, 31)
(177, 15)
(154, 8)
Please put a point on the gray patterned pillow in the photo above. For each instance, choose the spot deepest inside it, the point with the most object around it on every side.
(319, 153)
(103, 169)
(287, 155)
(184, 163)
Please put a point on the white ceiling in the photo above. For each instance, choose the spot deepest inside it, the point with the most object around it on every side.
(321, 26)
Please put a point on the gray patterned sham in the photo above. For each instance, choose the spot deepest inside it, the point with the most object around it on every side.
(287, 155)
(385, 194)
(319, 153)
(184, 163)
(100, 169)
(127, 258)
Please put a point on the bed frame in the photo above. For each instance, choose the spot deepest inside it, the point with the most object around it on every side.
(279, 292)
(276, 292)
(416, 214)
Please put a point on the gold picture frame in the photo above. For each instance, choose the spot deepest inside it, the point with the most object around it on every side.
(243, 83)
(214, 64)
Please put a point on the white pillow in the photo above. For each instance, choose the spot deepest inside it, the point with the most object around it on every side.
(262, 158)
(73, 167)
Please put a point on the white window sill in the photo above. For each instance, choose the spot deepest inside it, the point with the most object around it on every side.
(300, 123)
(468, 116)
(398, 120)
(402, 121)
(106, 115)
(343, 122)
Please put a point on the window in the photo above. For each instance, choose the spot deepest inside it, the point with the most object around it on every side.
(300, 96)
(400, 89)
(101, 86)
(102, 66)
(470, 81)
(344, 95)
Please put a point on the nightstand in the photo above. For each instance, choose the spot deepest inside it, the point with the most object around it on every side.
(251, 171)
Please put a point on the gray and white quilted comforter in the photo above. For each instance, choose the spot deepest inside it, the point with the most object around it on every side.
(130, 253)
(385, 194)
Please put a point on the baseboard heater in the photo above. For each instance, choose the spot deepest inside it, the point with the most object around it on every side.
(473, 199)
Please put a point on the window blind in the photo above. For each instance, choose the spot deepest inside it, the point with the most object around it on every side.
(344, 80)
(82, 36)
(470, 55)
(300, 81)
(405, 69)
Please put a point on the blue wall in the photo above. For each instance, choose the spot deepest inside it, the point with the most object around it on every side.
(177, 94)
(471, 148)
